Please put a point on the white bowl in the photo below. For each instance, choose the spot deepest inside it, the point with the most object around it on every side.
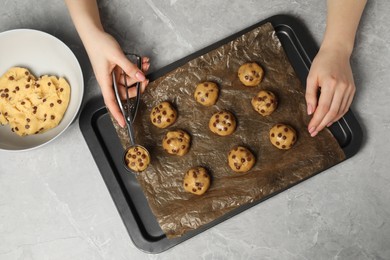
(42, 54)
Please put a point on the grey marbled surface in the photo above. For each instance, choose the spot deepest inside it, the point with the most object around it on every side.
(54, 203)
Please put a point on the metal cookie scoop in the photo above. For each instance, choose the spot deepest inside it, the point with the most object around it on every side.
(136, 158)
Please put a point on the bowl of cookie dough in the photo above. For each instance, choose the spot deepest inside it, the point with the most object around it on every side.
(41, 89)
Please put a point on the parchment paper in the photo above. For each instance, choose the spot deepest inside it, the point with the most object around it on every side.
(177, 211)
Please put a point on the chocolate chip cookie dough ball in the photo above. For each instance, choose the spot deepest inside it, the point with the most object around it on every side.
(265, 102)
(282, 136)
(240, 159)
(206, 93)
(222, 123)
(250, 74)
(196, 180)
(163, 115)
(137, 158)
(177, 142)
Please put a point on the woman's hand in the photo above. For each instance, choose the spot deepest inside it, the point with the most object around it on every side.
(331, 74)
(107, 56)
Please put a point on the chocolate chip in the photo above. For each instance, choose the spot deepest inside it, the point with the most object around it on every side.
(286, 129)
(11, 78)
(280, 135)
(284, 137)
(59, 101)
(186, 184)
(194, 190)
(52, 117)
(51, 105)
(49, 83)
(26, 73)
(27, 85)
(6, 90)
(23, 103)
(61, 89)
(28, 120)
(44, 100)
(27, 126)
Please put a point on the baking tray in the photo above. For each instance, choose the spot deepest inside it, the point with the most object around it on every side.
(104, 144)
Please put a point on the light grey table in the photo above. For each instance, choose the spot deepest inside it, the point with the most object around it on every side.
(55, 205)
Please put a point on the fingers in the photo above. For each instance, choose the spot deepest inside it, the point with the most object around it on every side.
(132, 71)
(311, 93)
(335, 99)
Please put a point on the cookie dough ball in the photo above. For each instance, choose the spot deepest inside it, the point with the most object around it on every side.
(222, 123)
(240, 159)
(177, 142)
(250, 74)
(137, 158)
(163, 115)
(265, 102)
(196, 180)
(282, 136)
(206, 93)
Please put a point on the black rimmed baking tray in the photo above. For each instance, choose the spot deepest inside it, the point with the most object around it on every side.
(105, 146)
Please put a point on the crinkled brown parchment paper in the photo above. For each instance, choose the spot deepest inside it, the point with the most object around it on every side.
(177, 211)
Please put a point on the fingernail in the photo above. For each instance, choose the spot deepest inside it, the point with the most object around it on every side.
(309, 110)
(311, 130)
(331, 123)
(314, 134)
(140, 76)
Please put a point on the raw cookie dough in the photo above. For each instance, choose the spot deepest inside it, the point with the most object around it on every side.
(206, 93)
(176, 142)
(265, 102)
(196, 181)
(222, 123)
(250, 74)
(163, 115)
(282, 136)
(30, 105)
(137, 158)
(240, 159)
